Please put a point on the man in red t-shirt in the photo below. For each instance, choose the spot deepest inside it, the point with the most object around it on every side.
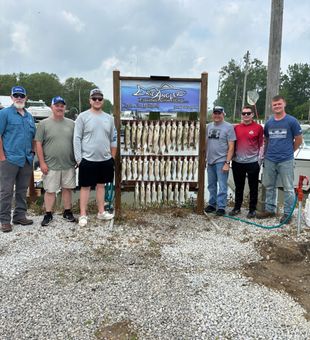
(249, 136)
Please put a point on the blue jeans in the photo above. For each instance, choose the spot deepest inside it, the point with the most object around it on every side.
(285, 170)
(217, 185)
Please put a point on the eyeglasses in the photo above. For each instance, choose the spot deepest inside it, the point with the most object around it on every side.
(100, 99)
(246, 113)
(19, 95)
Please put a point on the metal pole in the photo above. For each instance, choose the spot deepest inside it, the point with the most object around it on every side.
(246, 71)
(80, 106)
(235, 104)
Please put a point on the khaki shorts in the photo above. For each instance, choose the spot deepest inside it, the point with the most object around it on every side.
(57, 179)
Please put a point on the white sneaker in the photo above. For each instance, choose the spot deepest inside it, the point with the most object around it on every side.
(105, 216)
(82, 221)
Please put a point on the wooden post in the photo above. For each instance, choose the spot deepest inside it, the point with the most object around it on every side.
(117, 117)
(202, 142)
(274, 56)
(32, 192)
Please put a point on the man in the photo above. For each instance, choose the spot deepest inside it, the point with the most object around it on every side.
(283, 136)
(220, 149)
(17, 130)
(95, 143)
(249, 141)
(54, 142)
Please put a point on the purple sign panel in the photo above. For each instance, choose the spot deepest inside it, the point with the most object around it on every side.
(160, 96)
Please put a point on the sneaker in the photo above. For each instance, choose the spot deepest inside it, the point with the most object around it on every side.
(220, 212)
(82, 221)
(234, 212)
(47, 219)
(105, 216)
(6, 227)
(265, 214)
(67, 215)
(23, 221)
(285, 219)
(251, 214)
(210, 209)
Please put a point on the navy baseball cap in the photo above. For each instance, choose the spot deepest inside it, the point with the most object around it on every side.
(57, 100)
(18, 89)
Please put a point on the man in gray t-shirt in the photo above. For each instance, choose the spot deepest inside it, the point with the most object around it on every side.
(220, 149)
(54, 142)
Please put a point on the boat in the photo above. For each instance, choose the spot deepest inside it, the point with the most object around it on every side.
(38, 109)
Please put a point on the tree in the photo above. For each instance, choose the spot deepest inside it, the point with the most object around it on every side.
(7, 81)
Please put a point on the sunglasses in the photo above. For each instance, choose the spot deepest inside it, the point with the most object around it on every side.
(100, 99)
(246, 113)
(19, 95)
(217, 113)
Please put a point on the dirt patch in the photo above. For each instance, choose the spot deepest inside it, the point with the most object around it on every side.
(285, 266)
(118, 331)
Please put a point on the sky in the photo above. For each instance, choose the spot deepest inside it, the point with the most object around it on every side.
(179, 38)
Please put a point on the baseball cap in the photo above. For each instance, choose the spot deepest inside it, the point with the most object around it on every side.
(57, 100)
(96, 92)
(18, 89)
(218, 109)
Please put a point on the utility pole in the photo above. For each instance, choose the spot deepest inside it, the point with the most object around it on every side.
(235, 103)
(246, 71)
(274, 56)
(80, 104)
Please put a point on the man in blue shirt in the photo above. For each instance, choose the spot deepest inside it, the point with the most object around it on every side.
(17, 131)
(283, 136)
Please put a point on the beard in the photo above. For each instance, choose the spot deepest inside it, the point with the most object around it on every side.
(19, 106)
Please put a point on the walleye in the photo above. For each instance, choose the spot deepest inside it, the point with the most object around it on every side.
(127, 136)
(173, 168)
(179, 169)
(186, 194)
(148, 194)
(156, 138)
(182, 197)
(195, 169)
(137, 194)
(139, 135)
(162, 169)
(162, 137)
(190, 169)
(176, 193)
(124, 161)
(145, 170)
(150, 137)
(151, 169)
(170, 193)
(191, 132)
(179, 136)
(134, 168)
(173, 135)
(139, 169)
(196, 135)
(133, 135)
(142, 194)
(168, 169)
(165, 193)
(128, 169)
(154, 193)
(184, 169)
(159, 194)
(168, 136)
(144, 136)
(156, 169)
(185, 136)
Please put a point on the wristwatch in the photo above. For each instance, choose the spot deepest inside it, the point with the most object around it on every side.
(227, 162)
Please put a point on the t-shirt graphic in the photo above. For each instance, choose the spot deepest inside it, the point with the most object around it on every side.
(214, 133)
(277, 133)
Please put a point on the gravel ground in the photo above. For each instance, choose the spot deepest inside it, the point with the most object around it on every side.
(173, 275)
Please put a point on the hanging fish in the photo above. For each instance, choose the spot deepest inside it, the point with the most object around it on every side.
(185, 136)
(196, 135)
(124, 162)
(156, 169)
(186, 194)
(145, 170)
(173, 168)
(159, 194)
(156, 138)
(162, 169)
(150, 137)
(139, 135)
(137, 194)
(154, 193)
(162, 137)
(148, 194)
(179, 136)
(168, 136)
(176, 193)
(165, 193)
(184, 169)
(142, 194)
(139, 168)
(127, 136)
(170, 193)
(182, 194)
(179, 169)
(195, 169)
(191, 132)
(189, 174)
(134, 165)
(133, 135)
(128, 169)
(151, 169)
(144, 136)
(168, 169)
(173, 135)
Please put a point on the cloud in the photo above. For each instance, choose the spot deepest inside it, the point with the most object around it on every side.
(73, 20)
